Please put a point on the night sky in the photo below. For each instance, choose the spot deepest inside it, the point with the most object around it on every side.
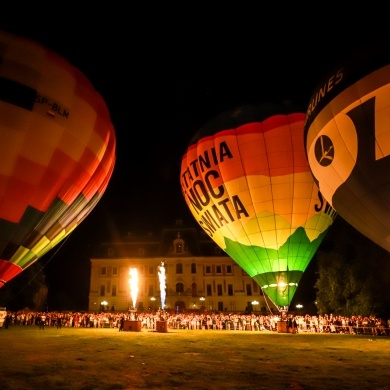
(163, 74)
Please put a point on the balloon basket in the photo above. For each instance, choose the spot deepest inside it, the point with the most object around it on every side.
(132, 326)
(161, 326)
(282, 327)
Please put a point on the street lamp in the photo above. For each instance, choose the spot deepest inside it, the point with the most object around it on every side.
(103, 305)
(254, 303)
(299, 307)
(153, 299)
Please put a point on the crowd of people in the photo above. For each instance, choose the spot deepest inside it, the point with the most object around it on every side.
(286, 323)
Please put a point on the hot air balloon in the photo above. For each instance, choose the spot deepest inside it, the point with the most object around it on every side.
(246, 180)
(347, 135)
(57, 147)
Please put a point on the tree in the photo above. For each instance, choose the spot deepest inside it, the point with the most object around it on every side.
(353, 275)
(21, 291)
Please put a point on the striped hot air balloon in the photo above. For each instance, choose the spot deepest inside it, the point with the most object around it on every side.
(57, 148)
(246, 179)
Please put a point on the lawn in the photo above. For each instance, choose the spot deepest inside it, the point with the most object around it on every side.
(107, 359)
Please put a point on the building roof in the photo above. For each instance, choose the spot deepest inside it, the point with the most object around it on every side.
(175, 241)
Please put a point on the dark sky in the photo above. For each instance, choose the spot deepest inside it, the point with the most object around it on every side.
(163, 74)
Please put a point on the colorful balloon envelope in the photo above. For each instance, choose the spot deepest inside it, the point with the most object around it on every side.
(246, 179)
(57, 147)
(348, 142)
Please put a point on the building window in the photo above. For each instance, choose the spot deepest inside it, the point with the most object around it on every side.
(229, 269)
(103, 271)
(230, 289)
(151, 270)
(178, 245)
(102, 291)
(208, 269)
(151, 291)
(115, 270)
(179, 268)
(248, 289)
(194, 290)
(208, 290)
(113, 291)
(179, 287)
(219, 289)
(193, 268)
(218, 269)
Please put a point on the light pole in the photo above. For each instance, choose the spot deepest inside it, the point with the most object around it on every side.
(103, 305)
(254, 303)
(299, 307)
(202, 299)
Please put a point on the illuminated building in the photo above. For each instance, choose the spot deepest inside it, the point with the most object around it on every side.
(198, 274)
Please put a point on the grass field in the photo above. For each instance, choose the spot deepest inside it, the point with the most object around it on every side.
(107, 359)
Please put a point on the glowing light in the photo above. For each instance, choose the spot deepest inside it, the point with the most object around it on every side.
(133, 285)
(162, 278)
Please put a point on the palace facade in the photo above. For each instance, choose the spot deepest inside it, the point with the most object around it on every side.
(198, 275)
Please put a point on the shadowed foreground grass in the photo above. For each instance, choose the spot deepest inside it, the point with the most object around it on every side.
(85, 359)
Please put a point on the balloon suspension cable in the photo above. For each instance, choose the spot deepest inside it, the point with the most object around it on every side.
(265, 299)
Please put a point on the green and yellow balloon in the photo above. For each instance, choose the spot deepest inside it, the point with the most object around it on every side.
(246, 180)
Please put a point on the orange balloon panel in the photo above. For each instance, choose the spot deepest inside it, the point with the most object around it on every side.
(58, 151)
(348, 142)
(246, 179)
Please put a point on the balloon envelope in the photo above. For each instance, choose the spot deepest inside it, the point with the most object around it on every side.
(246, 179)
(57, 148)
(347, 137)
